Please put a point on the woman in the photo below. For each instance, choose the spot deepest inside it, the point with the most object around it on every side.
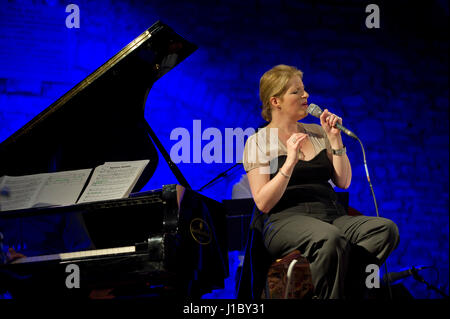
(289, 165)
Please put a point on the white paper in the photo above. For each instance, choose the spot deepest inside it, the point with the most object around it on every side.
(113, 180)
(62, 188)
(22, 191)
(46, 189)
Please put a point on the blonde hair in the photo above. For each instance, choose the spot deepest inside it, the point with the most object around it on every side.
(273, 83)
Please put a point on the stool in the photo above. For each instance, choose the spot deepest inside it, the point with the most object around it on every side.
(289, 278)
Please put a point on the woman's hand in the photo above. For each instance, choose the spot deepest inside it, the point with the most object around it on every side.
(293, 145)
(342, 168)
(267, 192)
(12, 255)
(328, 120)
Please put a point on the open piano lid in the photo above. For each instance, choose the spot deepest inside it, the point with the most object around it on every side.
(101, 119)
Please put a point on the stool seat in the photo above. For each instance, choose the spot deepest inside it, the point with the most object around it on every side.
(289, 278)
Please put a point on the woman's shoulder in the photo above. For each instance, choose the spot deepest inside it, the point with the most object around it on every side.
(259, 135)
(313, 128)
(259, 149)
(317, 135)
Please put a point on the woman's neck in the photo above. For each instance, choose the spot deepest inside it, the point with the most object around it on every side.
(285, 126)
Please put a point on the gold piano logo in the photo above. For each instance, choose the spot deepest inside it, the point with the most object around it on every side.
(200, 231)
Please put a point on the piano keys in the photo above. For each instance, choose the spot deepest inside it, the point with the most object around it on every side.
(172, 239)
(70, 257)
(172, 234)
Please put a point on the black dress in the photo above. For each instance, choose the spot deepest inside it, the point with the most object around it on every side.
(308, 193)
(308, 217)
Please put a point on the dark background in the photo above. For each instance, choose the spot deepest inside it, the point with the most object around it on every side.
(390, 85)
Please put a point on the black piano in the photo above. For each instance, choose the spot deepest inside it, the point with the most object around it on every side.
(165, 242)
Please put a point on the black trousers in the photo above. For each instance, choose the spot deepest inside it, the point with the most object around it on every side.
(331, 242)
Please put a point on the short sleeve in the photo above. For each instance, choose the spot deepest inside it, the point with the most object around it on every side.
(262, 150)
(253, 155)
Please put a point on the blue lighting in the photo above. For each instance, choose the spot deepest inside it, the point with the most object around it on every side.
(389, 85)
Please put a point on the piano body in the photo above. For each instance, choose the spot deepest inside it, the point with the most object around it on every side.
(169, 241)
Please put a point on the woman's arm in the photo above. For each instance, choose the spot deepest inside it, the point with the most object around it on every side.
(342, 167)
(267, 192)
(341, 163)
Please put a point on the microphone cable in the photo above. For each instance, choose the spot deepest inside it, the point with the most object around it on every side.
(375, 203)
(316, 111)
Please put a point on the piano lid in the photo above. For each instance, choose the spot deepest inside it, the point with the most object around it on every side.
(101, 119)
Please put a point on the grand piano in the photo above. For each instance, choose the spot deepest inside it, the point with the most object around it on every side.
(165, 242)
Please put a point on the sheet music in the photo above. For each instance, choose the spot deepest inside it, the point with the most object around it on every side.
(46, 189)
(62, 188)
(113, 180)
(22, 191)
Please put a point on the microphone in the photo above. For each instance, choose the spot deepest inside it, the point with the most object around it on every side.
(394, 276)
(316, 111)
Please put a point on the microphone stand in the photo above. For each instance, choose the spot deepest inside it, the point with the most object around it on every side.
(223, 174)
(315, 110)
(375, 203)
(419, 278)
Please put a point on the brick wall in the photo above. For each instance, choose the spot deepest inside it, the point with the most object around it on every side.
(390, 85)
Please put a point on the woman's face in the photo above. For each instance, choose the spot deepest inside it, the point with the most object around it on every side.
(295, 101)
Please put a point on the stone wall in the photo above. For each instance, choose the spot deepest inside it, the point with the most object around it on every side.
(390, 85)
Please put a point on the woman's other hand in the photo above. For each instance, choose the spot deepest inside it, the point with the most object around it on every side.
(293, 145)
(328, 121)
